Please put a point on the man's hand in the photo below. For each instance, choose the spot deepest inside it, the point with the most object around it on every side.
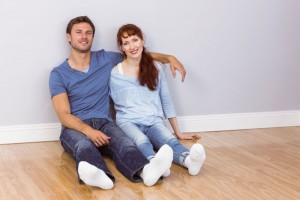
(172, 61)
(176, 65)
(98, 138)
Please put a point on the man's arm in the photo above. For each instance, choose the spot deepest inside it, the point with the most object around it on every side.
(62, 108)
(172, 61)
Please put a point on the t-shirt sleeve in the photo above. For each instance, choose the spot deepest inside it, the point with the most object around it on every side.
(56, 85)
(115, 57)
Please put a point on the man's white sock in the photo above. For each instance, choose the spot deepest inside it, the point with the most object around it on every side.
(94, 176)
(158, 165)
(195, 160)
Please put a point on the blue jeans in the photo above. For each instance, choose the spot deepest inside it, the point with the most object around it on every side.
(147, 137)
(128, 159)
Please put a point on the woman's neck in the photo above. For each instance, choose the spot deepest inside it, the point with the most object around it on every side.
(131, 67)
(132, 62)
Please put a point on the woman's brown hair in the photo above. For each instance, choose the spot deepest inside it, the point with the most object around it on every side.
(148, 73)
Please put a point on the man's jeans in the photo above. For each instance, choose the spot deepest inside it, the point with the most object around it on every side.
(147, 137)
(128, 159)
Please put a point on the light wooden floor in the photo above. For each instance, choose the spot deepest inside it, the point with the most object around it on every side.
(240, 165)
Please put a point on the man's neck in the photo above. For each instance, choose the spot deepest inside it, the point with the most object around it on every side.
(79, 61)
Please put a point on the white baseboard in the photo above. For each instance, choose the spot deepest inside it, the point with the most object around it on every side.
(51, 131)
(29, 133)
(239, 121)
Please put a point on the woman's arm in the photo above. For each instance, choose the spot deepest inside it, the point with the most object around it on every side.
(179, 135)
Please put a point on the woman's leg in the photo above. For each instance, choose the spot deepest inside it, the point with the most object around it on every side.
(139, 139)
(159, 135)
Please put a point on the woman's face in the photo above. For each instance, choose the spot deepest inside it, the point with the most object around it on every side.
(132, 46)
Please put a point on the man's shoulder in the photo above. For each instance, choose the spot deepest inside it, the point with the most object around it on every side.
(106, 57)
(103, 52)
(60, 67)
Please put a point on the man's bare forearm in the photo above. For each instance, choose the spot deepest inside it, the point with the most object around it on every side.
(174, 63)
(164, 58)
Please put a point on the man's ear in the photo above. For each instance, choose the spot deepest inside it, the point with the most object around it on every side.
(68, 36)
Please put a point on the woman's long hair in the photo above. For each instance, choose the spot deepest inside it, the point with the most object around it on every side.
(148, 73)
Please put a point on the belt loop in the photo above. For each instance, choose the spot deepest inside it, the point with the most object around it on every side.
(93, 123)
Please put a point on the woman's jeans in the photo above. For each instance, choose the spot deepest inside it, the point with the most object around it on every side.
(128, 159)
(147, 137)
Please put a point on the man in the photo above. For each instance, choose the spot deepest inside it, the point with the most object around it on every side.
(80, 96)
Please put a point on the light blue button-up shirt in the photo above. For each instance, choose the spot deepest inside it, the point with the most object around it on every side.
(137, 104)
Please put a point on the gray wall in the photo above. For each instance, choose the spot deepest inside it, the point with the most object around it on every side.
(240, 55)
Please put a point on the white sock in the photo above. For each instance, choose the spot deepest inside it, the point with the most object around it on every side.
(94, 176)
(158, 165)
(195, 160)
(167, 173)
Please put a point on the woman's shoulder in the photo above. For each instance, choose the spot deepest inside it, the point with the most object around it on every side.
(160, 66)
(114, 70)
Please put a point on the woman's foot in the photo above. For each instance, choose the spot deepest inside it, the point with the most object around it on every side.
(158, 165)
(196, 159)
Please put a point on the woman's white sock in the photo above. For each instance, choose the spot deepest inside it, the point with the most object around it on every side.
(94, 176)
(167, 173)
(158, 165)
(196, 159)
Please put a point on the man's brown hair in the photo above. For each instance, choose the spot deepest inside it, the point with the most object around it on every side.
(78, 20)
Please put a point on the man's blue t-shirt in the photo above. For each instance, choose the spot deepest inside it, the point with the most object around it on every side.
(88, 93)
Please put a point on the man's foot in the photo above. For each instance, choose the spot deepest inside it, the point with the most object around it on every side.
(94, 176)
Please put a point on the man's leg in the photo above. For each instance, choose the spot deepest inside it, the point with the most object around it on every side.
(91, 168)
(129, 160)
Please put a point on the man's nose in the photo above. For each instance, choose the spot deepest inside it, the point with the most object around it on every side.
(83, 35)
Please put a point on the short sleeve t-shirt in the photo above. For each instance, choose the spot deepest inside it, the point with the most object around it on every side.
(88, 92)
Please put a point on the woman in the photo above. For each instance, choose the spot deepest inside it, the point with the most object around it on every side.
(142, 100)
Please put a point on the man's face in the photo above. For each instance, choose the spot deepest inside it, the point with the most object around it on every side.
(81, 37)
